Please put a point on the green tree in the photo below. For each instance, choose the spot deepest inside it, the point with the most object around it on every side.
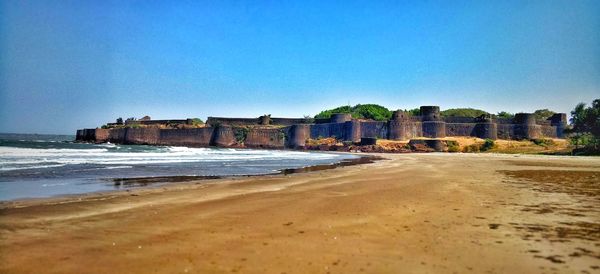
(463, 112)
(414, 111)
(585, 122)
(543, 114)
(366, 111)
(372, 111)
(505, 115)
(327, 113)
(197, 122)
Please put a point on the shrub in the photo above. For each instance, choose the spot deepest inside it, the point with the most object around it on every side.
(472, 148)
(241, 134)
(453, 146)
(543, 142)
(487, 145)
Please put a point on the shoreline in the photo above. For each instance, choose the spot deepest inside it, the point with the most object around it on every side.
(167, 182)
(435, 212)
(191, 182)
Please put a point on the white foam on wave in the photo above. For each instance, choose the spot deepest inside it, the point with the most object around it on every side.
(13, 158)
(2, 168)
(117, 167)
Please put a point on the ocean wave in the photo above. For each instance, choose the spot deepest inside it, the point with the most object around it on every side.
(117, 167)
(29, 167)
(14, 158)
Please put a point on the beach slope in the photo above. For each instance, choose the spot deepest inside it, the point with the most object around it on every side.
(412, 213)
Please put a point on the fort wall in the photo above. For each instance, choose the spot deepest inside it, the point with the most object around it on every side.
(294, 132)
(142, 136)
(223, 136)
(262, 120)
(193, 137)
(298, 135)
(265, 138)
(374, 130)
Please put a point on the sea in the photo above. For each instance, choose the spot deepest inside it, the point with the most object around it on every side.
(39, 166)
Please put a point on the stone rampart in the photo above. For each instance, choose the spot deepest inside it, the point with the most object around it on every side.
(265, 138)
(374, 129)
(434, 129)
(293, 133)
(217, 121)
(142, 136)
(404, 130)
(262, 120)
(298, 135)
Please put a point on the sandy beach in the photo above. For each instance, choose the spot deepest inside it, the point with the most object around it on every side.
(411, 213)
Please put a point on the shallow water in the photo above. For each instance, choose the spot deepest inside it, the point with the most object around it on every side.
(34, 166)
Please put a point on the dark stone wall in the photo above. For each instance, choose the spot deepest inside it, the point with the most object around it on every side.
(374, 129)
(404, 130)
(503, 121)
(352, 131)
(400, 115)
(142, 136)
(322, 120)
(102, 135)
(486, 131)
(347, 131)
(550, 131)
(263, 120)
(559, 121)
(289, 121)
(524, 118)
(297, 136)
(265, 138)
(216, 121)
(223, 136)
(327, 130)
(434, 129)
(296, 131)
(520, 131)
(117, 135)
(460, 120)
(160, 122)
(460, 129)
(480, 130)
(195, 137)
(89, 134)
(430, 113)
(559, 118)
(340, 117)
(506, 131)
(527, 131)
(79, 135)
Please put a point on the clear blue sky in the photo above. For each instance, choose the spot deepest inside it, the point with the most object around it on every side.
(74, 64)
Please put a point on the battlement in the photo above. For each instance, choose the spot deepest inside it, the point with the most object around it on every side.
(268, 132)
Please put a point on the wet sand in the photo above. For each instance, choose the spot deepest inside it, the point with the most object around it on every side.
(414, 213)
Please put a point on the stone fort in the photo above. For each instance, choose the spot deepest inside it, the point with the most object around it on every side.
(268, 132)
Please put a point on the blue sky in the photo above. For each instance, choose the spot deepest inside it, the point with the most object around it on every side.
(73, 64)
